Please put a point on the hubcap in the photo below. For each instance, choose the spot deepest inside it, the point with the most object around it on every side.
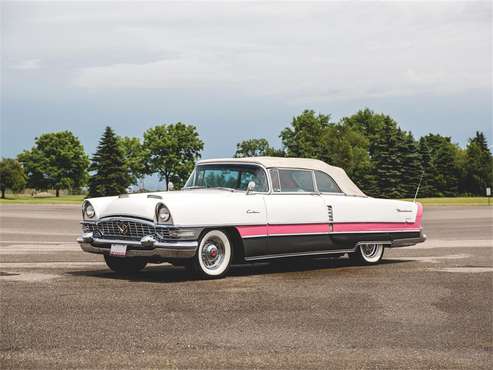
(213, 253)
(370, 250)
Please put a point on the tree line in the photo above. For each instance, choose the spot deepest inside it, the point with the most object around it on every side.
(381, 158)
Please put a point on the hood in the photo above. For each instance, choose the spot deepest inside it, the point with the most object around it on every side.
(180, 203)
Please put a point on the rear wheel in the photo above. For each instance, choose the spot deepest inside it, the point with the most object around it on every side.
(368, 254)
(214, 255)
(125, 265)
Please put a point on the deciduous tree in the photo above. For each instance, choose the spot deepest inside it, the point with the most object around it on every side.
(56, 161)
(134, 154)
(12, 176)
(256, 148)
(171, 151)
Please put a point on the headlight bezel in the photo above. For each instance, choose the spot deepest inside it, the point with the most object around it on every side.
(160, 207)
(87, 214)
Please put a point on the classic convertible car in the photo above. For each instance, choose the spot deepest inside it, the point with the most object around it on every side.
(248, 209)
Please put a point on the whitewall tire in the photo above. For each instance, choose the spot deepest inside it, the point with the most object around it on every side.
(368, 254)
(214, 255)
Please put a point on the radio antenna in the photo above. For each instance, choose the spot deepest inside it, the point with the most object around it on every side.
(419, 185)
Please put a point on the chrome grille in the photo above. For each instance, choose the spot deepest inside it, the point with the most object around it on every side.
(124, 229)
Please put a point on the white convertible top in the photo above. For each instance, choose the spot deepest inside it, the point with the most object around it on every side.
(337, 173)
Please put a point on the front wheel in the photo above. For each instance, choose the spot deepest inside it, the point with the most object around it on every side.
(368, 254)
(125, 265)
(214, 255)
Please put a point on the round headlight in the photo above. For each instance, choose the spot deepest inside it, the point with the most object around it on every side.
(89, 211)
(163, 215)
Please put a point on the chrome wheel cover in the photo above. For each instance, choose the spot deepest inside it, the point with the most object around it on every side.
(213, 253)
(372, 252)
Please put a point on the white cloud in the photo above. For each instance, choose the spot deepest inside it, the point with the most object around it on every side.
(28, 64)
(304, 51)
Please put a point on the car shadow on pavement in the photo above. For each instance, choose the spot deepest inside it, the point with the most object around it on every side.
(166, 273)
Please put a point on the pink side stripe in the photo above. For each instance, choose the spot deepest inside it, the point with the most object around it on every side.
(252, 230)
(264, 230)
(282, 229)
(298, 229)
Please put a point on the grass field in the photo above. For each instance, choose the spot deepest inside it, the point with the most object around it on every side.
(27, 199)
(77, 199)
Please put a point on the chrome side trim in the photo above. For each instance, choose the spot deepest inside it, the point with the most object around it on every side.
(299, 254)
(376, 232)
(274, 235)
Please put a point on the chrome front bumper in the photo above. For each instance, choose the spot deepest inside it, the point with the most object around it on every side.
(147, 247)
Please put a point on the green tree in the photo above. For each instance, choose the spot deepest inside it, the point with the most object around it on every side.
(12, 176)
(479, 170)
(445, 156)
(411, 170)
(387, 161)
(343, 146)
(171, 151)
(256, 148)
(56, 161)
(111, 175)
(134, 154)
(303, 138)
(426, 189)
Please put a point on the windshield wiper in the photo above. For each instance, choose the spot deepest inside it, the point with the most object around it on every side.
(211, 187)
(222, 188)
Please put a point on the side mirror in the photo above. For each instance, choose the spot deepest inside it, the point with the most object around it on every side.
(171, 187)
(250, 187)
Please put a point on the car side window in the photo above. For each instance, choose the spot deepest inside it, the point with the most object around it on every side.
(325, 183)
(296, 181)
(274, 176)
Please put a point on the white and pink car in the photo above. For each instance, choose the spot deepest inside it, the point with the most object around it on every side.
(248, 209)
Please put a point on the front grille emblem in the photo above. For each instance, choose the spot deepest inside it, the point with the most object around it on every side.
(123, 228)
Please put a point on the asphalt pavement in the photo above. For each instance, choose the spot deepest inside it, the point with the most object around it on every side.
(427, 306)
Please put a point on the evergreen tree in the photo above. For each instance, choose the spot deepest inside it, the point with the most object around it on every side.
(426, 189)
(387, 161)
(411, 169)
(445, 158)
(111, 175)
(479, 170)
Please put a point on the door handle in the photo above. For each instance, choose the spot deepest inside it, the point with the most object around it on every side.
(251, 211)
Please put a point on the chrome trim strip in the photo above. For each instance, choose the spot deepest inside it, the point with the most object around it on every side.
(313, 253)
(294, 234)
(375, 232)
(373, 242)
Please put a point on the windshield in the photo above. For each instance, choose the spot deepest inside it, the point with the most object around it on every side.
(229, 176)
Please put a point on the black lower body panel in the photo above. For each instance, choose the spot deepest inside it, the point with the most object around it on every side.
(292, 244)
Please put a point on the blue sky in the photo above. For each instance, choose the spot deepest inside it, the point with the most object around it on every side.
(241, 70)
